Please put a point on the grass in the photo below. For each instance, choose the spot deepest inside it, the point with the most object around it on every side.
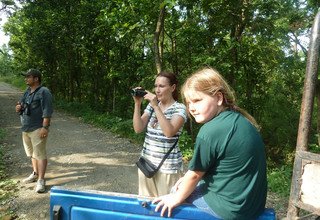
(279, 180)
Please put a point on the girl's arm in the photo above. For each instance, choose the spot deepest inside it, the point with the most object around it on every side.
(185, 188)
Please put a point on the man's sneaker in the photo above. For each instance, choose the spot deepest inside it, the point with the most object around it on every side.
(32, 178)
(41, 186)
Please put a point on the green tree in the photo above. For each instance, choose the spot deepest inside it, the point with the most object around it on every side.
(93, 52)
(6, 62)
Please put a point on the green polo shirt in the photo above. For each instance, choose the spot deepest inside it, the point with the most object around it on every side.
(230, 151)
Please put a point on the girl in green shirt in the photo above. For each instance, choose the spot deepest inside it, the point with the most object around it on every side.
(227, 174)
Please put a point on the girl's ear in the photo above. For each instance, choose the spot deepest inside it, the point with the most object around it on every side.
(220, 98)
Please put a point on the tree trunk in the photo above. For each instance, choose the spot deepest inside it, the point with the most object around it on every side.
(156, 40)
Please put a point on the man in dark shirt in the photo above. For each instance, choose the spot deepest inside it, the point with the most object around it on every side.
(35, 108)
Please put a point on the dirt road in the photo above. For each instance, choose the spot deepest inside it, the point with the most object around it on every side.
(80, 156)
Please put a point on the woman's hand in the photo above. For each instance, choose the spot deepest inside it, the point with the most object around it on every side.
(137, 99)
(152, 98)
(139, 121)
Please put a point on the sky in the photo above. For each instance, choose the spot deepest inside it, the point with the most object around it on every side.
(3, 38)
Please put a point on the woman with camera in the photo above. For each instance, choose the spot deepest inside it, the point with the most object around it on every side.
(163, 119)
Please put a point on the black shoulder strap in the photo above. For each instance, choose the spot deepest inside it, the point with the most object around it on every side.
(37, 89)
(152, 110)
(167, 154)
(33, 94)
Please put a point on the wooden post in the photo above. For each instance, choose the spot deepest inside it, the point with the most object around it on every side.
(305, 116)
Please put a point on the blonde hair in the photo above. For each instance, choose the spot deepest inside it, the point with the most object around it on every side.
(209, 81)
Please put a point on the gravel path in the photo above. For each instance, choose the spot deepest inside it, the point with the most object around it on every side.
(80, 157)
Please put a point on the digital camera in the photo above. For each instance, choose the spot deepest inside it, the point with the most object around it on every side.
(138, 92)
(25, 108)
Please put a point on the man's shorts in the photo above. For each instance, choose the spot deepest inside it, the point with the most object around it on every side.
(34, 146)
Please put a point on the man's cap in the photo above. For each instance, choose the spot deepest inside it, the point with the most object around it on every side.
(32, 72)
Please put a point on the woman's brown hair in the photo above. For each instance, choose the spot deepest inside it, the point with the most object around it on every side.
(172, 81)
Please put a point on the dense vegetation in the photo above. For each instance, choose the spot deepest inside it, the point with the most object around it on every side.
(92, 52)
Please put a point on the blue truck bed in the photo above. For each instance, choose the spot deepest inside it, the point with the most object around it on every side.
(96, 205)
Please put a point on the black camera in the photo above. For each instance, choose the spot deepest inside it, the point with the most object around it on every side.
(25, 108)
(138, 92)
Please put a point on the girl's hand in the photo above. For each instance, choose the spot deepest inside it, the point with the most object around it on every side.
(166, 203)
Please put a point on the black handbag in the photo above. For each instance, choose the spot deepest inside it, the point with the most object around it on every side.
(148, 168)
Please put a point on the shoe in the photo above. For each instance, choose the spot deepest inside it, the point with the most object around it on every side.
(41, 186)
(32, 178)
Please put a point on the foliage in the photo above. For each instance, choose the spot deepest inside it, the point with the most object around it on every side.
(186, 145)
(282, 110)
(64, 40)
(279, 180)
(6, 62)
(314, 148)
